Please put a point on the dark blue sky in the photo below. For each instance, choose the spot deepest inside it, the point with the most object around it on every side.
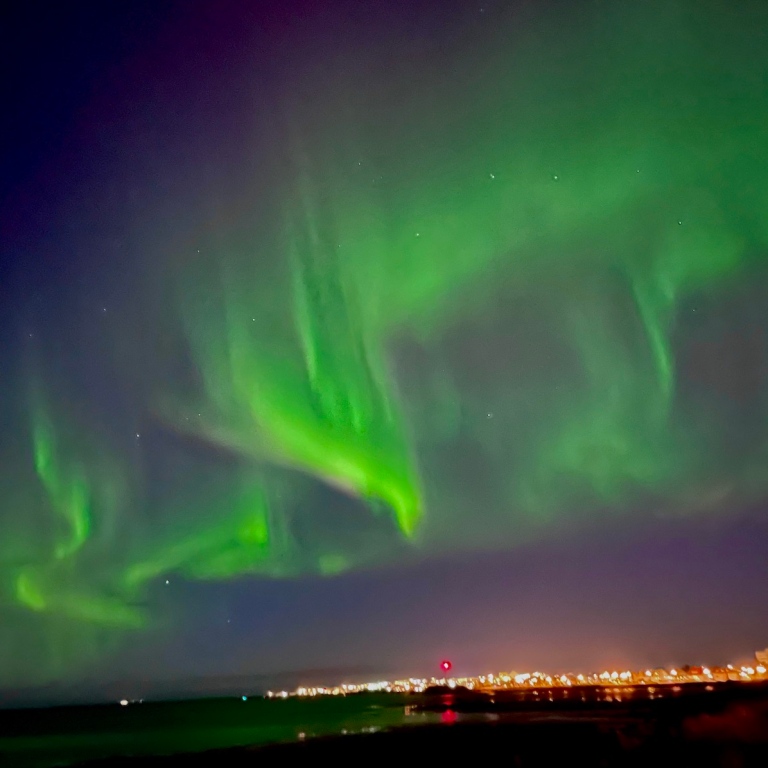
(137, 132)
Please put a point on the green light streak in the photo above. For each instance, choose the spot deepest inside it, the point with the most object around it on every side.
(66, 487)
(235, 542)
(326, 407)
(29, 593)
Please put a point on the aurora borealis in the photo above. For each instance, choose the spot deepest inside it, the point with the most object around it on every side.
(296, 296)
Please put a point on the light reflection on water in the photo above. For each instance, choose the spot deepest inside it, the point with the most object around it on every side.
(218, 724)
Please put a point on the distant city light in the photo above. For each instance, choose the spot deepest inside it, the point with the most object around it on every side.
(656, 679)
(123, 702)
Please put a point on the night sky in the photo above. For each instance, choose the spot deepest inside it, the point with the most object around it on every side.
(353, 335)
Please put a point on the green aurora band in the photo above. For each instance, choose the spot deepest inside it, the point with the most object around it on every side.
(586, 191)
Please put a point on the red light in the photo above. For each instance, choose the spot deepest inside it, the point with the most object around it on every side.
(445, 665)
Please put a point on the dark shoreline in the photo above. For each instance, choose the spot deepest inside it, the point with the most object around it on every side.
(687, 725)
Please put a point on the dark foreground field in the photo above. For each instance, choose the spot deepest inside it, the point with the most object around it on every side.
(689, 726)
